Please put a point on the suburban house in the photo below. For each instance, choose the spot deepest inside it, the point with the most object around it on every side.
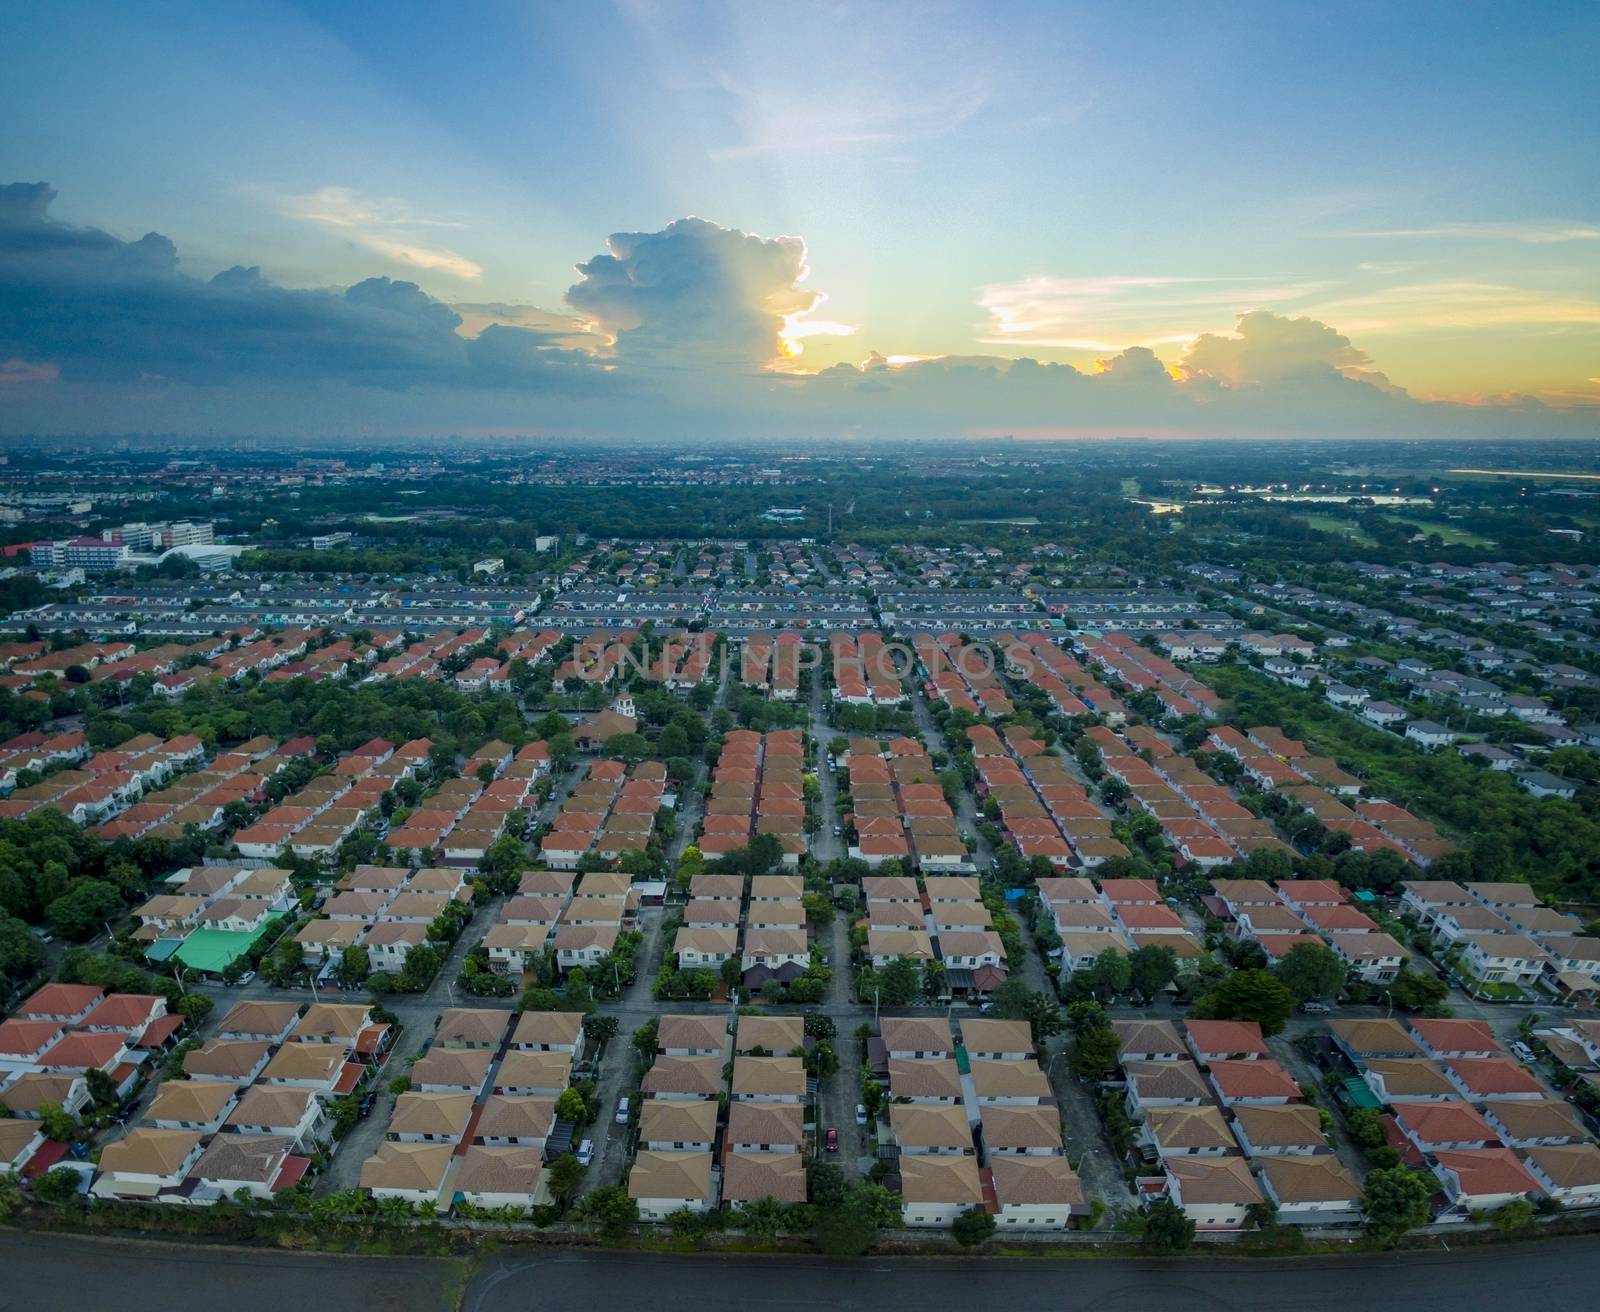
(935, 1189)
(146, 1161)
(665, 1182)
(1215, 1193)
(415, 1172)
(1036, 1193)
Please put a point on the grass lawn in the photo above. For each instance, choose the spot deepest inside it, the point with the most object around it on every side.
(1348, 527)
(1453, 536)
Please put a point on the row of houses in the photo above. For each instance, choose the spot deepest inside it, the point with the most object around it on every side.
(555, 913)
(1202, 820)
(973, 1123)
(771, 664)
(1275, 761)
(961, 674)
(898, 808)
(384, 910)
(611, 811)
(1294, 911)
(1043, 810)
(864, 671)
(1225, 1128)
(479, 1118)
(757, 786)
(1118, 915)
(689, 1154)
(767, 931)
(250, 1108)
(93, 789)
(940, 919)
(1453, 1103)
(1502, 933)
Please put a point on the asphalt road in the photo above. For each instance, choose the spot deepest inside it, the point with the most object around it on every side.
(1462, 1281)
(51, 1273)
(60, 1273)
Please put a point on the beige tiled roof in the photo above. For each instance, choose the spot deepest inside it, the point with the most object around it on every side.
(917, 1034)
(749, 1177)
(930, 1125)
(554, 1027)
(679, 1120)
(1001, 1079)
(471, 1026)
(146, 1150)
(418, 1166)
(256, 1158)
(924, 1077)
(191, 1100)
(1214, 1180)
(672, 1175)
(695, 1075)
(981, 1034)
(1042, 1181)
(760, 1122)
(777, 1034)
(691, 1032)
(1026, 1126)
(516, 1116)
(769, 1075)
(499, 1170)
(431, 1113)
(225, 1057)
(1319, 1179)
(931, 1178)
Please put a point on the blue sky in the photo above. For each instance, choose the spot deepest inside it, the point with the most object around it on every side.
(1059, 182)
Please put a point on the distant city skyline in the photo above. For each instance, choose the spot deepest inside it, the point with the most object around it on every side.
(644, 221)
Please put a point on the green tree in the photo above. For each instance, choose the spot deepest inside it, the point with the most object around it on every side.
(20, 952)
(1411, 990)
(1109, 973)
(848, 1229)
(825, 1183)
(353, 966)
(764, 1218)
(1166, 1228)
(974, 1226)
(82, 911)
(1396, 1201)
(1249, 995)
(1515, 1216)
(565, 1175)
(609, 1210)
(1310, 970)
(57, 1187)
(1014, 1000)
(1151, 968)
(1094, 1054)
(58, 1124)
(899, 981)
(570, 1106)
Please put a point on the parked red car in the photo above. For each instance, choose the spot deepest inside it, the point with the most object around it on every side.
(830, 1140)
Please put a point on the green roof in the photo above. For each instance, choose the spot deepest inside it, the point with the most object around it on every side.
(212, 950)
(162, 948)
(1360, 1094)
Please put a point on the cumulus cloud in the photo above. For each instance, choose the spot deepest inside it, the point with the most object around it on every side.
(1266, 349)
(695, 294)
(1138, 364)
(97, 308)
(668, 333)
